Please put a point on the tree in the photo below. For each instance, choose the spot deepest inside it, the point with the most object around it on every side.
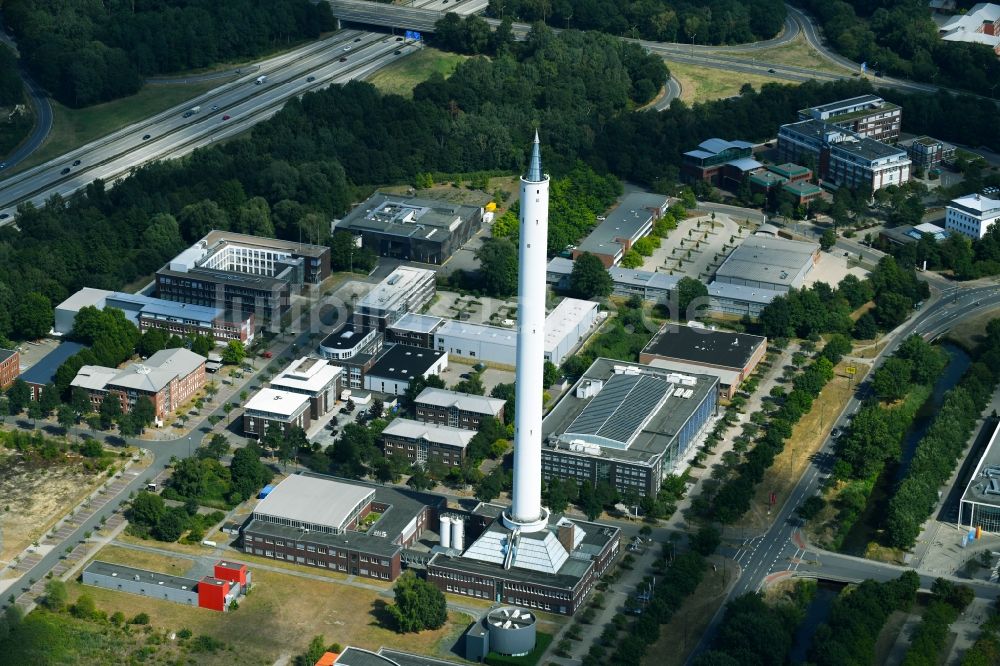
(589, 278)
(865, 328)
(152, 341)
(827, 240)
(55, 595)
(80, 401)
(550, 374)
(202, 345)
(33, 317)
(49, 399)
(170, 526)
(419, 479)
(632, 259)
(18, 396)
(234, 353)
(217, 447)
(147, 509)
(892, 380)
(706, 540)
(419, 605)
(66, 416)
(84, 608)
(473, 384)
(111, 409)
(143, 412)
(498, 266)
(248, 473)
(376, 409)
(689, 291)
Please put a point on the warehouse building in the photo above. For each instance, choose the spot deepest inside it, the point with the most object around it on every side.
(412, 229)
(843, 157)
(459, 410)
(44, 369)
(314, 378)
(241, 273)
(10, 367)
(553, 569)
(972, 215)
(347, 526)
(867, 115)
(421, 442)
(627, 425)
(169, 378)
(732, 357)
(406, 290)
(270, 408)
(230, 582)
(775, 264)
(398, 365)
(567, 324)
(146, 312)
(627, 222)
(415, 330)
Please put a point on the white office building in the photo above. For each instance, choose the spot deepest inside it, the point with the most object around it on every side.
(972, 215)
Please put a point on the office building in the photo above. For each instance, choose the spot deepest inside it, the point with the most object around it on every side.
(354, 349)
(738, 300)
(459, 410)
(355, 528)
(421, 443)
(980, 505)
(407, 289)
(906, 234)
(43, 371)
(626, 223)
(415, 330)
(627, 425)
(412, 229)
(843, 157)
(314, 378)
(240, 273)
(867, 115)
(775, 264)
(979, 25)
(169, 378)
(732, 357)
(927, 152)
(10, 367)
(649, 286)
(972, 215)
(230, 582)
(398, 365)
(271, 408)
(567, 324)
(720, 162)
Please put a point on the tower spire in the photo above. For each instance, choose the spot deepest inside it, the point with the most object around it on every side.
(534, 173)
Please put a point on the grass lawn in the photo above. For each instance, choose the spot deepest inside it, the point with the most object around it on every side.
(402, 76)
(969, 332)
(175, 566)
(799, 54)
(679, 636)
(280, 617)
(807, 437)
(72, 128)
(704, 84)
(542, 641)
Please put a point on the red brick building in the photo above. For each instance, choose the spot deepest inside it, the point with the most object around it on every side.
(458, 410)
(10, 367)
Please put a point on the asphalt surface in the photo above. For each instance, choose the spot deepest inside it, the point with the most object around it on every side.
(781, 550)
(39, 100)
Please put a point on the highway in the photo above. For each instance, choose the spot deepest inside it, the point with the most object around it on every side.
(782, 550)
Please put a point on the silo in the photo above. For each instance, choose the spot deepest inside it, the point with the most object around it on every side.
(446, 531)
(457, 533)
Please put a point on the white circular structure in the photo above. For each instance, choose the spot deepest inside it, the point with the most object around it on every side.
(445, 531)
(512, 631)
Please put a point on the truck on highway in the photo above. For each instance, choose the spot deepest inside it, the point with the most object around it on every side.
(261, 79)
(193, 110)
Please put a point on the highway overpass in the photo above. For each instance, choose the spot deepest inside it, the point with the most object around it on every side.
(420, 19)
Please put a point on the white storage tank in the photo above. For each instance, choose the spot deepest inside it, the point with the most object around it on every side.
(446, 531)
(457, 533)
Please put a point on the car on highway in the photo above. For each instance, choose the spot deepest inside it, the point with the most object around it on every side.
(397, 52)
(399, 39)
(343, 60)
(65, 171)
(310, 79)
(188, 114)
(357, 39)
(3, 165)
(76, 162)
(770, 71)
(347, 48)
(215, 107)
(226, 117)
(4, 216)
(145, 137)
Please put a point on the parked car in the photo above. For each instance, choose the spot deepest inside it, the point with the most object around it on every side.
(266, 354)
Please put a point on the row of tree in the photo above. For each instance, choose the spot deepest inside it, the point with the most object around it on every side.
(940, 449)
(149, 516)
(948, 599)
(753, 632)
(84, 53)
(712, 22)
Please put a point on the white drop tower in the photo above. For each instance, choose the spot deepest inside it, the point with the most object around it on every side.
(526, 513)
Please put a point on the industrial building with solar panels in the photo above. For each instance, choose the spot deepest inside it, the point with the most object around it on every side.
(626, 424)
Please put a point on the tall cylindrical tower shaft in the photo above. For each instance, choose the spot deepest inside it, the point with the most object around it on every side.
(526, 511)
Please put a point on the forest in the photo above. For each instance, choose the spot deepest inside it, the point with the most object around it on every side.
(87, 52)
(899, 38)
(709, 22)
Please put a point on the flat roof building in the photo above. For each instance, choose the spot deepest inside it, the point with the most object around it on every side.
(732, 357)
(720, 162)
(349, 341)
(764, 262)
(738, 300)
(412, 229)
(867, 115)
(567, 324)
(270, 408)
(626, 424)
(43, 371)
(972, 215)
(626, 223)
(398, 365)
(459, 410)
(980, 505)
(927, 152)
(314, 378)
(558, 271)
(406, 289)
(416, 330)
(842, 156)
(237, 272)
(421, 442)
(649, 286)
(209, 592)
(355, 528)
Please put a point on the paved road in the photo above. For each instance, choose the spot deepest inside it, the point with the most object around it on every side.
(39, 100)
(781, 550)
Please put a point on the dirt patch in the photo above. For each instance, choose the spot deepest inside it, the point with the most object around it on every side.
(968, 333)
(679, 636)
(35, 495)
(807, 437)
